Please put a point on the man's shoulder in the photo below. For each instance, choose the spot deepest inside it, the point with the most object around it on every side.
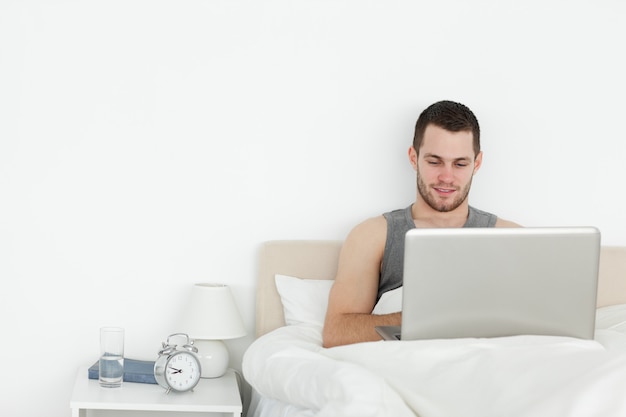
(379, 224)
(401, 212)
(506, 223)
(372, 224)
(370, 233)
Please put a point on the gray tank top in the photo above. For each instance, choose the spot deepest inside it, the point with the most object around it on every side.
(398, 223)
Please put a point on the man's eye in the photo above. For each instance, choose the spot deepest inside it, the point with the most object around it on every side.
(433, 162)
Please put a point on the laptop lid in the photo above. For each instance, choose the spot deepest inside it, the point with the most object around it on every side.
(491, 282)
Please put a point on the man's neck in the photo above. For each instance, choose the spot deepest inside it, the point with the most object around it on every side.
(426, 216)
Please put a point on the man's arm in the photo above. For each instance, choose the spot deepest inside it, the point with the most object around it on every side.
(352, 298)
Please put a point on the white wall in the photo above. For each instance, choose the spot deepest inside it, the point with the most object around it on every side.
(146, 145)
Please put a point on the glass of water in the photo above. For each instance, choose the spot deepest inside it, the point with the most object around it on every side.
(111, 370)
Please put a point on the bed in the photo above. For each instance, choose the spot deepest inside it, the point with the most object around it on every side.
(292, 375)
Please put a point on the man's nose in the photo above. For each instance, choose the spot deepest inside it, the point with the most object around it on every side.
(446, 174)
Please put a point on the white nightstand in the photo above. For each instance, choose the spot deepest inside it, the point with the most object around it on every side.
(210, 398)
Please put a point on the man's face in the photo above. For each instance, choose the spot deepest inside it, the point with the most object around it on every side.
(445, 166)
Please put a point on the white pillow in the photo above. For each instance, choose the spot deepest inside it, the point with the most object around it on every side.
(390, 302)
(304, 300)
(612, 317)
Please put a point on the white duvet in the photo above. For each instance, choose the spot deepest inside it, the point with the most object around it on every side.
(509, 376)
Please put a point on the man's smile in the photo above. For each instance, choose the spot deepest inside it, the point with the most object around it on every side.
(444, 190)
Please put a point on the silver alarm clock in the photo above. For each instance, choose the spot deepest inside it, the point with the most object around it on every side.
(177, 367)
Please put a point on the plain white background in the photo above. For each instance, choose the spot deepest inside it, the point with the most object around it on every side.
(146, 145)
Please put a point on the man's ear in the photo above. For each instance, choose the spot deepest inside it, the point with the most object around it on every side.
(478, 161)
(413, 157)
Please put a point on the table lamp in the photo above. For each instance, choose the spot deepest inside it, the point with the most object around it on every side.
(211, 317)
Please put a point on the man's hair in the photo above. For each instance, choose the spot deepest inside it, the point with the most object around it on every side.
(448, 115)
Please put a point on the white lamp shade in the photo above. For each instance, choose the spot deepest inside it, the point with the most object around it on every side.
(212, 314)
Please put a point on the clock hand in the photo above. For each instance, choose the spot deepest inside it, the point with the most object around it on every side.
(176, 371)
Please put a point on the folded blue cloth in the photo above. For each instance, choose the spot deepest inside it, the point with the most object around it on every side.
(134, 371)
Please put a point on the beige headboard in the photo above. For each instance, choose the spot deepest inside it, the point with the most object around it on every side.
(612, 278)
(309, 259)
(317, 259)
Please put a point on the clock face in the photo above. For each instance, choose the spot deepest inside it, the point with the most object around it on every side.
(182, 371)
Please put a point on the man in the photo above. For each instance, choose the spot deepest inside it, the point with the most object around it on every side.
(445, 155)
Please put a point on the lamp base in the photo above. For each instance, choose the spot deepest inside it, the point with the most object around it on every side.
(213, 356)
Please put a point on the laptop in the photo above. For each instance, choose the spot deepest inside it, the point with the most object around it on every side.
(493, 282)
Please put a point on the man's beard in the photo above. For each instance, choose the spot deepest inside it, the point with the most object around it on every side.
(442, 206)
